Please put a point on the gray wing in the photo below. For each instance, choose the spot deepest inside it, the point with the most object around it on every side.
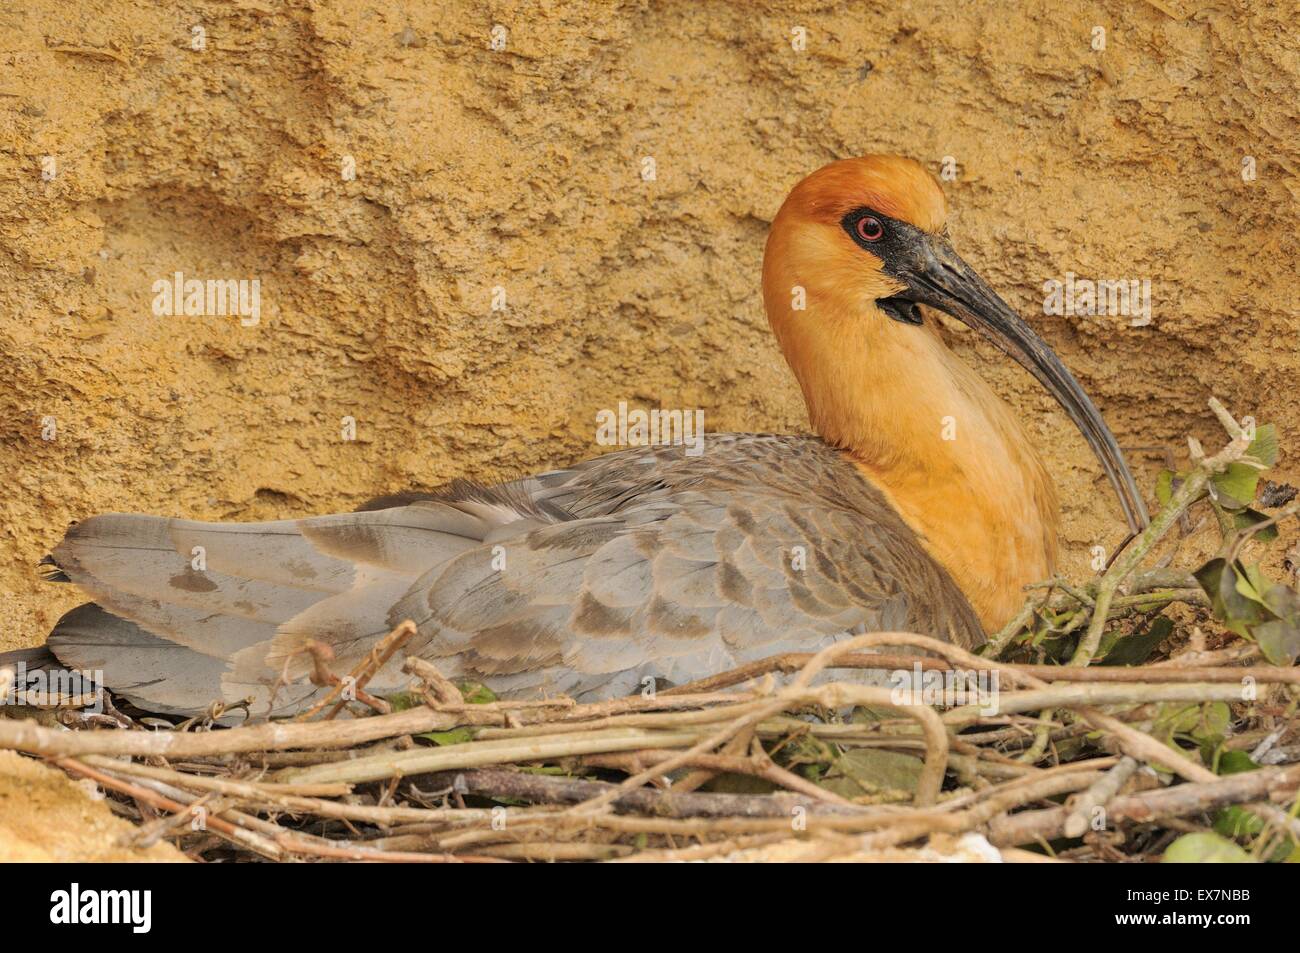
(218, 595)
(642, 563)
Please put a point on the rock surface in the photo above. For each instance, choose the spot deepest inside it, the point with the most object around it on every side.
(46, 816)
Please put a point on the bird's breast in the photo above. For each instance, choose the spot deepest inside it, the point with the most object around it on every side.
(989, 517)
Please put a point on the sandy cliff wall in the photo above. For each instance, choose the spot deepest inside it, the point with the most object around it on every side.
(521, 168)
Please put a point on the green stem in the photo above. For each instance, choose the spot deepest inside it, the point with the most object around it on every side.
(1186, 495)
(994, 647)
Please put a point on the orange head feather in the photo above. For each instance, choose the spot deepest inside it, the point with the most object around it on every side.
(892, 185)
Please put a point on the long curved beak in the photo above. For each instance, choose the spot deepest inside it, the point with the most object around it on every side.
(936, 276)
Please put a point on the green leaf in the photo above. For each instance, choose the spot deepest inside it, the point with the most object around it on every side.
(867, 715)
(401, 701)
(1235, 486)
(1279, 640)
(872, 770)
(1282, 601)
(457, 736)
(1137, 648)
(1254, 607)
(1240, 824)
(1176, 718)
(1244, 519)
(1234, 821)
(1214, 722)
(476, 693)
(1210, 577)
(1054, 647)
(1234, 609)
(1265, 445)
(1251, 581)
(1205, 848)
(1235, 762)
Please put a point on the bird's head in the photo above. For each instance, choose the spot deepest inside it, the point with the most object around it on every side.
(861, 242)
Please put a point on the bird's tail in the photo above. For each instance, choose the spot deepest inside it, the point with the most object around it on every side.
(188, 613)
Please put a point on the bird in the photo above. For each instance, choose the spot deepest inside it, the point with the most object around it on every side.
(918, 502)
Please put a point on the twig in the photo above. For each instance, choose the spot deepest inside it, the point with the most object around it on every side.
(444, 689)
(360, 675)
(1179, 801)
(1089, 694)
(793, 661)
(790, 662)
(1202, 471)
(475, 754)
(28, 736)
(376, 659)
(1097, 796)
(542, 789)
(217, 825)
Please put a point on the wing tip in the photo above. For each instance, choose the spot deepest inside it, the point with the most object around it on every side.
(50, 571)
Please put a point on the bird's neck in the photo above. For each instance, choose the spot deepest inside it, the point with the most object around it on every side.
(946, 451)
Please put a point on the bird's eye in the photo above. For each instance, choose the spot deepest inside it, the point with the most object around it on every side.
(870, 229)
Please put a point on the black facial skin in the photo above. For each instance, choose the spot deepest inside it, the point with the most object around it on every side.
(933, 274)
(901, 243)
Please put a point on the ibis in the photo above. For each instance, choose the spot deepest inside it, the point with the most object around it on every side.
(919, 502)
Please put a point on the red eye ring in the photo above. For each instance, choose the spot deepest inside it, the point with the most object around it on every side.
(870, 229)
